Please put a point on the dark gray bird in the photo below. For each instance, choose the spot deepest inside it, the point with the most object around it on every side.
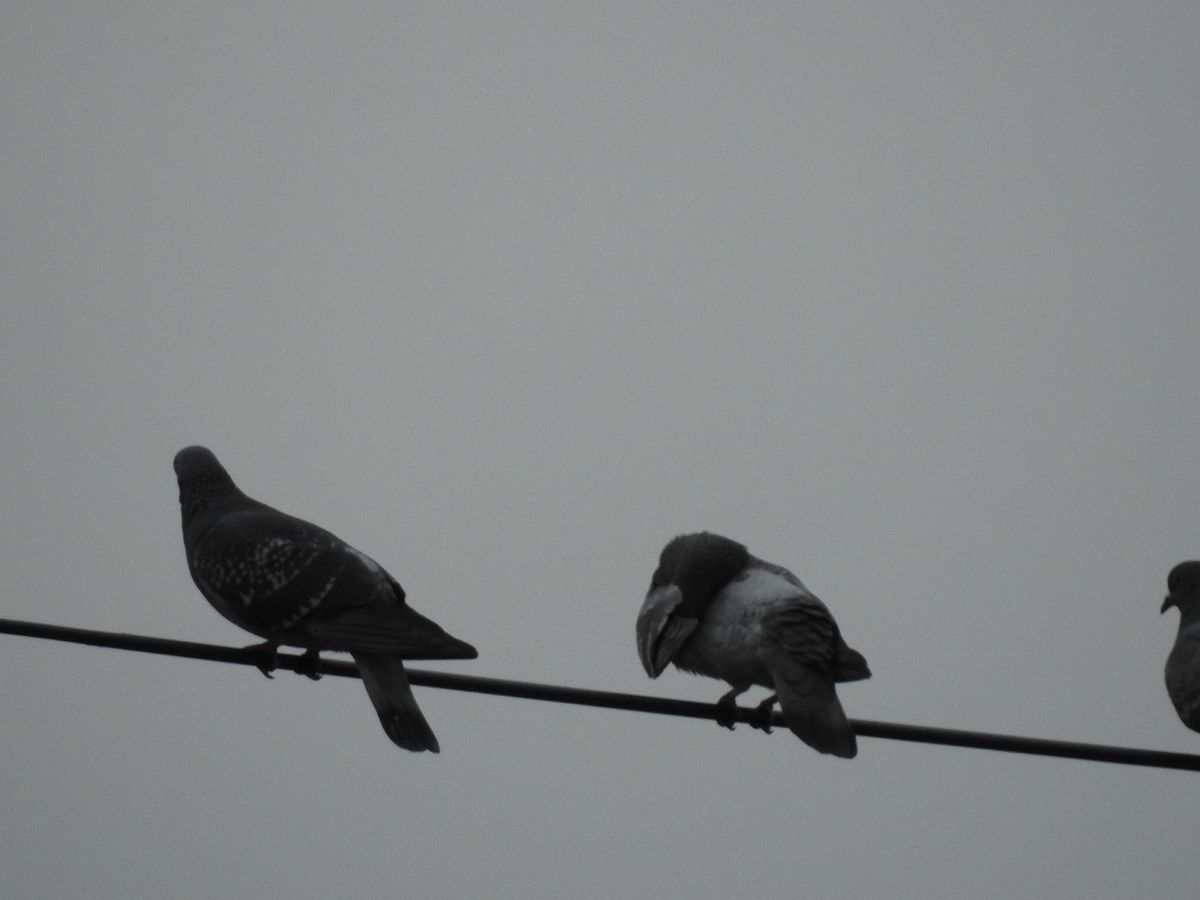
(713, 609)
(291, 582)
(1183, 664)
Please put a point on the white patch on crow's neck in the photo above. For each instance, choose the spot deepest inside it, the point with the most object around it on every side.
(730, 640)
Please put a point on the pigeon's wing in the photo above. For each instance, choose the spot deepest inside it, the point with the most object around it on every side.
(285, 577)
(662, 628)
(386, 626)
(1183, 677)
(275, 570)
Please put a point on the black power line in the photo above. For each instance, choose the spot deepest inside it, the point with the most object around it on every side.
(252, 656)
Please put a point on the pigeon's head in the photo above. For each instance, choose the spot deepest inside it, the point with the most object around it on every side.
(201, 479)
(1183, 586)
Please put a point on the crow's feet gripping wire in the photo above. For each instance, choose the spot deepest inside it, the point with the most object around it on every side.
(762, 714)
(727, 708)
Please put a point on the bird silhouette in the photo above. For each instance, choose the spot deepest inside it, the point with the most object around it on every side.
(713, 609)
(292, 582)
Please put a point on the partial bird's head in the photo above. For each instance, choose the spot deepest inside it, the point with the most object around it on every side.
(692, 569)
(699, 565)
(202, 479)
(1183, 586)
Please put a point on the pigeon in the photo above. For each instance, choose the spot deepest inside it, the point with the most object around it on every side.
(291, 582)
(713, 609)
(1183, 664)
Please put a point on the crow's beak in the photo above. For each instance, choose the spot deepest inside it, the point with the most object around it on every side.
(1168, 603)
(653, 618)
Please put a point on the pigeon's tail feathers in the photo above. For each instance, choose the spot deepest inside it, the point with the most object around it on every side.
(849, 664)
(387, 686)
(811, 709)
(408, 635)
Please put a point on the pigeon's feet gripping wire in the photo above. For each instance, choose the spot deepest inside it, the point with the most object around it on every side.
(727, 708)
(762, 715)
(308, 664)
(265, 657)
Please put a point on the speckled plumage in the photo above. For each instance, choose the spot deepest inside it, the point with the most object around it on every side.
(715, 610)
(292, 582)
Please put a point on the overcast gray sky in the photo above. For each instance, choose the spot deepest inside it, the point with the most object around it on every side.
(904, 296)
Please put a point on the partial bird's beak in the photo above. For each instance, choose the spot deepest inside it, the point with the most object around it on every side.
(659, 604)
(1168, 603)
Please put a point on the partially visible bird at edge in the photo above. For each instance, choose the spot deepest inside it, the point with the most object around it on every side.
(713, 609)
(291, 582)
(1182, 671)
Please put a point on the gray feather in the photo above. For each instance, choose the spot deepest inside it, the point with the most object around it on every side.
(387, 686)
(812, 710)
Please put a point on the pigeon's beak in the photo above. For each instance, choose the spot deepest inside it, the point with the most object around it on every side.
(1168, 603)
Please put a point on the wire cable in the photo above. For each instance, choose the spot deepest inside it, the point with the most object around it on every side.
(252, 656)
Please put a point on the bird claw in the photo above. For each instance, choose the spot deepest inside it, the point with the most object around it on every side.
(727, 711)
(762, 715)
(265, 657)
(308, 664)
